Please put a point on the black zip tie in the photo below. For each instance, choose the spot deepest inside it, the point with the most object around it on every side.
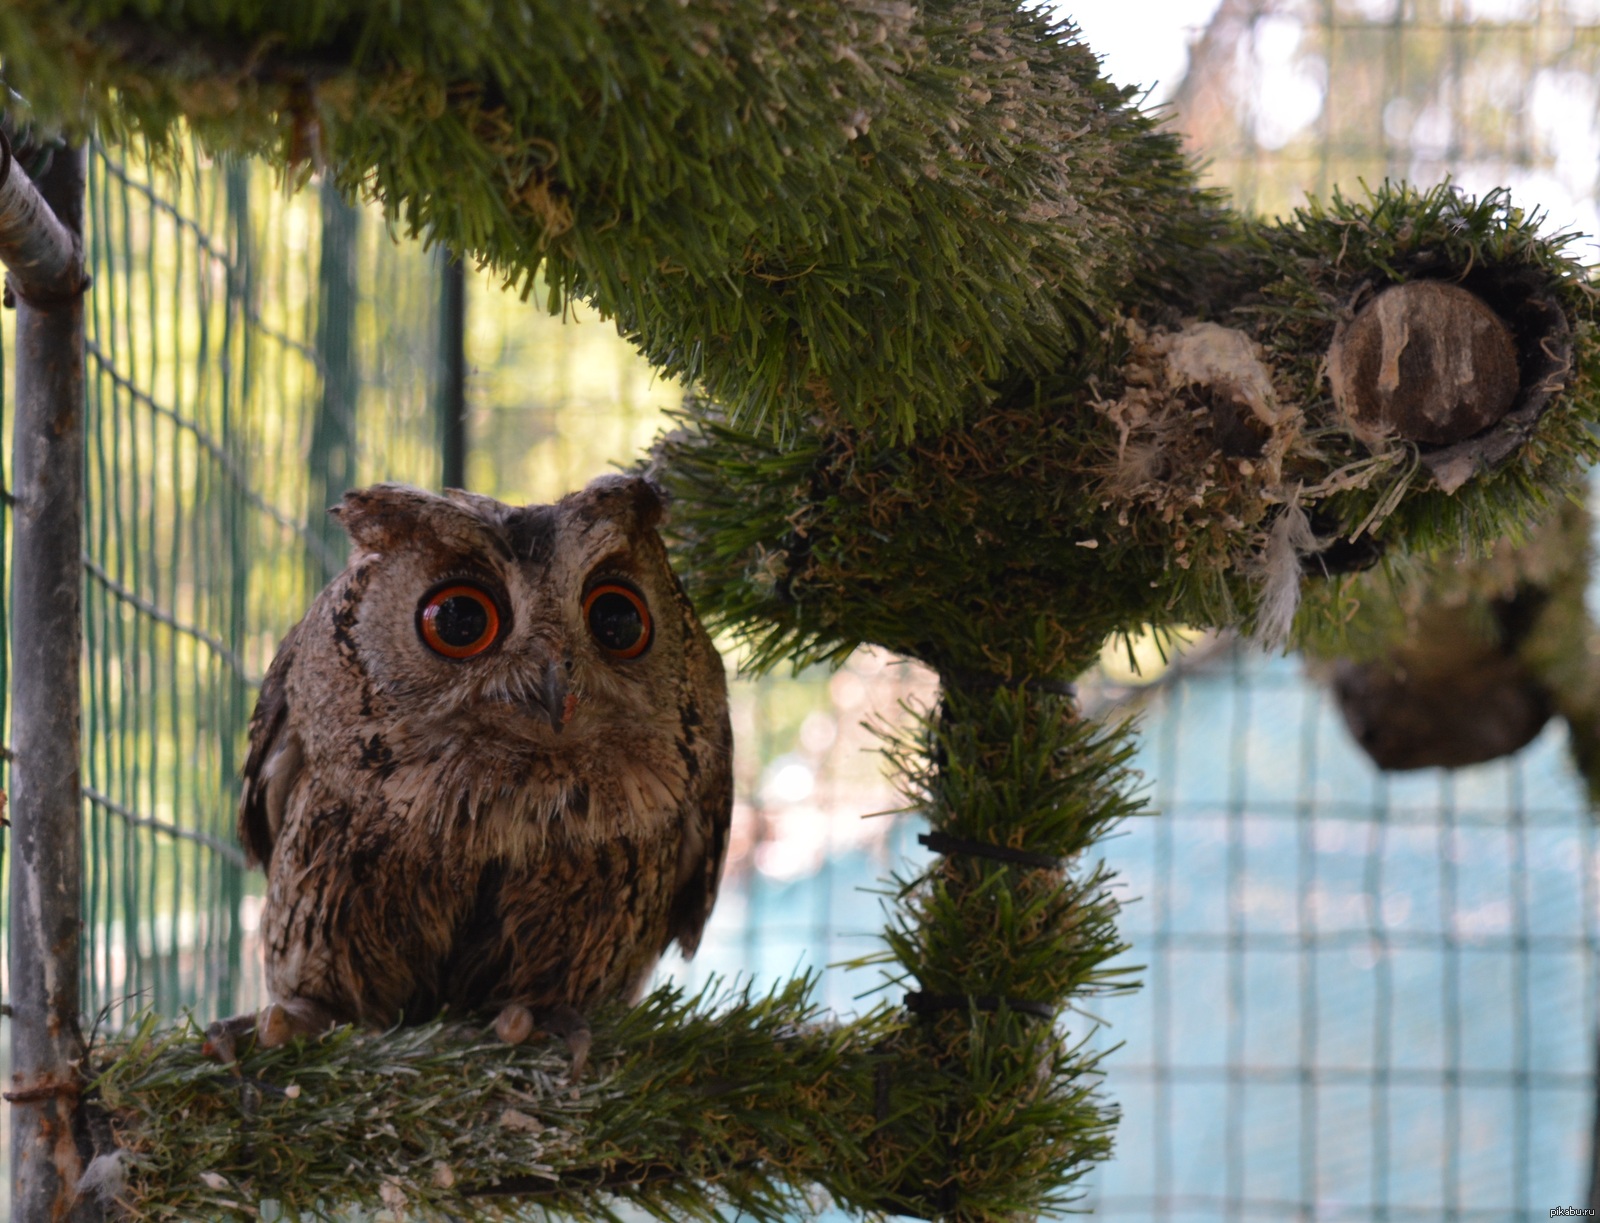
(944, 843)
(961, 678)
(919, 1003)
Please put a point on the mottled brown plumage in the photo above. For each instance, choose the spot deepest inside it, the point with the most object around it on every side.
(531, 824)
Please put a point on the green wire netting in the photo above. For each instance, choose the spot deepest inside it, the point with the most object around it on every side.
(232, 367)
(253, 352)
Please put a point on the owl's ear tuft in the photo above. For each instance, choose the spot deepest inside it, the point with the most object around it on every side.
(635, 496)
(376, 518)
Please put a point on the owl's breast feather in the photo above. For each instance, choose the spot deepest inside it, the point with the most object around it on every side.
(515, 804)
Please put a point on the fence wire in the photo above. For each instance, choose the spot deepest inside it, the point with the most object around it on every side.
(238, 382)
(1365, 996)
(253, 353)
(1288, 97)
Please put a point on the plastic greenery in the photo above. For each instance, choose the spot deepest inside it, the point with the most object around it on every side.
(727, 1100)
(1096, 500)
(982, 377)
(863, 205)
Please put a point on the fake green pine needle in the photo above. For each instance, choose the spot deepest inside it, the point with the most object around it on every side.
(1096, 500)
(691, 1106)
(1014, 769)
(829, 205)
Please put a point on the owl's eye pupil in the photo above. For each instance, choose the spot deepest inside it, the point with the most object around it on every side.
(616, 622)
(458, 621)
(461, 621)
(619, 619)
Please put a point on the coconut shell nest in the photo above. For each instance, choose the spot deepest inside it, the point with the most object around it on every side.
(1463, 369)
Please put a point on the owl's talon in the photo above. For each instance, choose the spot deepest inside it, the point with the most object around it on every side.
(219, 1045)
(222, 1038)
(281, 1022)
(223, 1035)
(573, 1028)
(273, 1027)
(578, 1044)
(514, 1024)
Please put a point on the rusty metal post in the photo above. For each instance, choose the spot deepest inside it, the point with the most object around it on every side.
(40, 247)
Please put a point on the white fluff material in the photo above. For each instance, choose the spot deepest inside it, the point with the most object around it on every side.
(1207, 354)
(106, 1176)
(1290, 539)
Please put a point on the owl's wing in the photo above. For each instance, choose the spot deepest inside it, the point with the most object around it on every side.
(274, 762)
(707, 814)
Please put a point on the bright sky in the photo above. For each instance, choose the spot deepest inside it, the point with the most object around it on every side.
(1142, 42)
(1146, 43)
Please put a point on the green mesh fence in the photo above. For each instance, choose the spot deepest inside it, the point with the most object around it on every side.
(253, 353)
(238, 382)
(1286, 97)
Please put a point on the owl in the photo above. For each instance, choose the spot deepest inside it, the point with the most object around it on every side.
(490, 769)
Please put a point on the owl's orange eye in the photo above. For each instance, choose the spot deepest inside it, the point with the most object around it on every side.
(458, 621)
(619, 619)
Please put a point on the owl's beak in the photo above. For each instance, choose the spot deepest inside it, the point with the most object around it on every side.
(554, 698)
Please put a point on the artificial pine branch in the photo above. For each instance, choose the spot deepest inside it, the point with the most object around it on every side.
(694, 1104)
(1100, 499)
(870, 208)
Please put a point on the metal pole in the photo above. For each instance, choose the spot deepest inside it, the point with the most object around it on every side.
(1594, 1135)
(38, 243)
(333, 431)
(453, 371)
(46, 804)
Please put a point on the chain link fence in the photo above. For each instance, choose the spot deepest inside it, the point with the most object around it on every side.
(1365, 996)
(237, 382)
